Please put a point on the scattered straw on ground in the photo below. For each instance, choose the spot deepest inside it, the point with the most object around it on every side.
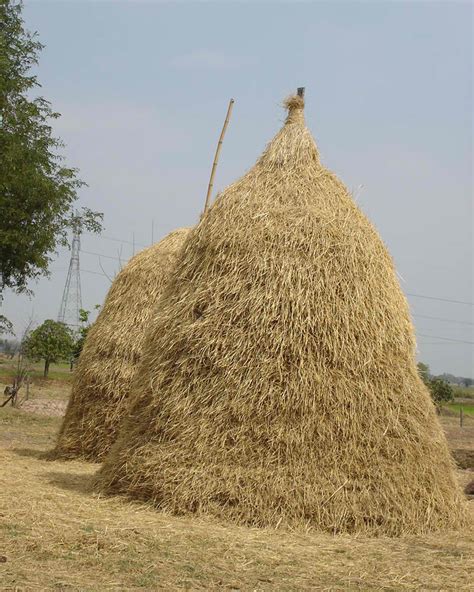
(49, 407)
(57, 535)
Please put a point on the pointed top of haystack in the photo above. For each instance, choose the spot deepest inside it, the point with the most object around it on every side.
(293, 148)
(295, 106)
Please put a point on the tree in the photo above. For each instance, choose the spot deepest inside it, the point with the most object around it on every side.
(424, 372)
(441, 391)
(51, 342)
(22, 365)
(5, 325)
(83, 331)
(37, 191)
(9, 347)
(82, 334)
(449, 378)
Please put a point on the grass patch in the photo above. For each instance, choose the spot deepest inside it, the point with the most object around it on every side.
(467, 409)
(463, 392)
(57, 372)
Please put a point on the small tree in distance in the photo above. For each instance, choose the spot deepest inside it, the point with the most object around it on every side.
(10, 347)
(51, 342)
(441, 392)
(424, 372)
(5, 325)
(83, 331)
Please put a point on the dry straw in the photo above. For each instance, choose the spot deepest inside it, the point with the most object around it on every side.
(278, 384)
(111, 353)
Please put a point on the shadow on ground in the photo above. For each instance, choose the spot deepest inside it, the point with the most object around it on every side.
(77, 482)
(30, 453)
(464, 458)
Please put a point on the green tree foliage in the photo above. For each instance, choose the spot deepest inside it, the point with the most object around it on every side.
(9, 347)
(82, 334)
(51, 342)
(83, 331)
(37, 192)
(424, 372)
(441, 392)
(5, 325)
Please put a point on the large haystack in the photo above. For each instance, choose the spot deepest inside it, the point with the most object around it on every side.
(112, 351)
(278, 385)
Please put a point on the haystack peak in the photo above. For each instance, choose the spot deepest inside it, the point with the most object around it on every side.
(295, 106)
(293, 147)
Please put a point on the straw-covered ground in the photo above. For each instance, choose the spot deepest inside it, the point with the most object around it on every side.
(55, 534)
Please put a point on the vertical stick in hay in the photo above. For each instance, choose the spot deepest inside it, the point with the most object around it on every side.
(112, 351)
(278, 384)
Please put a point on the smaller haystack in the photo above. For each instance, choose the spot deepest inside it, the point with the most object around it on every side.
(112, 351)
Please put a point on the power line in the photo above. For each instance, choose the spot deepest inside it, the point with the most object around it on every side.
(446, 338)
(444, 320)
(441, 299)
(100, 255)
(81, 270)
(438, 343)
(117, 240)
(408, 293)
(135, 244)
(93, 272)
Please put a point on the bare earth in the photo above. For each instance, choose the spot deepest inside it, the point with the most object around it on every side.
(48, 407)
(56, 534)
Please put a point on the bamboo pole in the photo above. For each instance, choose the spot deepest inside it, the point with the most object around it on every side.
(216, 157)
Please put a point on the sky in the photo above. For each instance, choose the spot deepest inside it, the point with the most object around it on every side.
(143, 87)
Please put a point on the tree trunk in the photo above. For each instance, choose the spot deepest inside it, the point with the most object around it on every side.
(46, 368)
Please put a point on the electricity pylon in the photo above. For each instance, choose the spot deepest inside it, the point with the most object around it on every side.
(71, 302)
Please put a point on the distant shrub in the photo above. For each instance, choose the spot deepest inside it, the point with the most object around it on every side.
(441, 391)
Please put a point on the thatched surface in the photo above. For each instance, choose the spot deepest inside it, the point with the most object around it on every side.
(278, 385)
(112, 351)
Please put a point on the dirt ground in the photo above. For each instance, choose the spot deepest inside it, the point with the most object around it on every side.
(48, 407)
(56, 534)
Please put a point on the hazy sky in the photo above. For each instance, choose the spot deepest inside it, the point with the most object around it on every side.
(143, 88)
